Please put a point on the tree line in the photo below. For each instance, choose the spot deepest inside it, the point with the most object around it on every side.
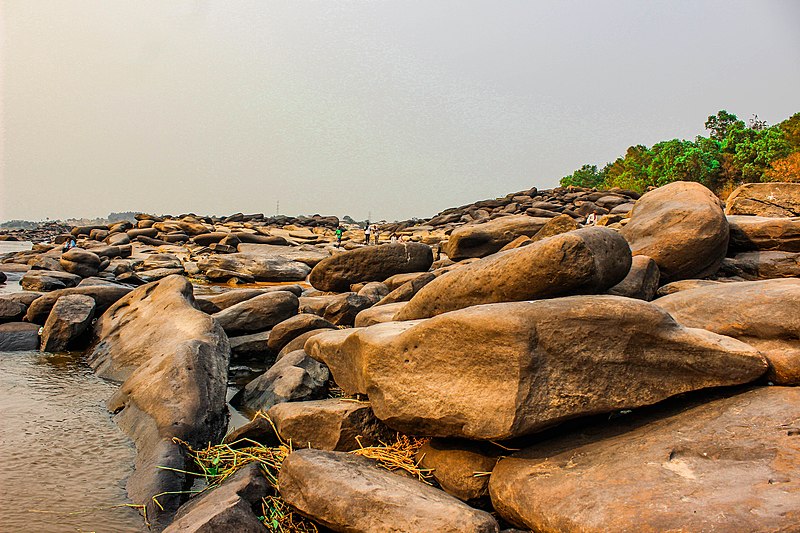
(733, 153)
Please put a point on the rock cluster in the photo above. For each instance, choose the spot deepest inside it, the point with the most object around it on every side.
(634, 375)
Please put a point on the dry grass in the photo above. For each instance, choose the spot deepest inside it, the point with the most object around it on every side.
(400, 455)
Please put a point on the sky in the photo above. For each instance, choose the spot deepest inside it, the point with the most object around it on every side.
(380, 109)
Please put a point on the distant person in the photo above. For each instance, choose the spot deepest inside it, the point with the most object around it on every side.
(338, 234)
(591, 220)
(393, 238)
(69, 244)
(367, 233)
(376, 232)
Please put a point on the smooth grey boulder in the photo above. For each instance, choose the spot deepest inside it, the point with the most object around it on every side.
(588, 260)
(505, 370)
(258, 313)
(345, 492)
(370, 263)
(69, 319)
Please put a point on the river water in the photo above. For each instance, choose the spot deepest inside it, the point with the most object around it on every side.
(65, 462)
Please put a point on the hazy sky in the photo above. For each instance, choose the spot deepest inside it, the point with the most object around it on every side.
(394, 108)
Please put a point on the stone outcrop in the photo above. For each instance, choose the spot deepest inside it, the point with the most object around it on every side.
(749, 233)
(80, 262)
(480, 240)
(349, 493)
(764, 314)
(753, 266)
(765, 199)
(727, 465)
(682, 227)
(332, 424)
(370, 263)
(70, 317)
(589, 260)
(172, 360)
(103, 295)
(505, 370)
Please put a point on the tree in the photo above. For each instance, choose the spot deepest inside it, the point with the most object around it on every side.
(720, 124)
(586, 176)
(784, 169)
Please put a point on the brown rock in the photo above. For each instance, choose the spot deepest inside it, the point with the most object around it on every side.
(70, 317)
(345, 492)
(641, 281)
(461, 467)
(682, 227)
(761, 265)
(407, 291)
(750, 233)
(556, 226)
(685, 285)
(252, 266)
(369, 263)
(378, 314)
(588, 260)
(332, 424)
(467, 368)
(764, 314)
(104, 296)
(765, 199)
(80, 262)
(293, 327)
(480, 240)
(727, 465)
(298, 342)
(19, 337)
(259, 313)
(48, 280)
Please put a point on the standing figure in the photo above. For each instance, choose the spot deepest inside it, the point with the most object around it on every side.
(376, 232)
(367, 232)
(338, 234)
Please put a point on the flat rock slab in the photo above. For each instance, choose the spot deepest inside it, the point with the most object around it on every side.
(765, 199)
(310, 255)
(727, 465)
(588, 260)
(19, 337)
(349, 493)
(258, 314)
(682, 227)
(764, 314)
(749, 233)
(370, 263)
(104, 296)
(70, 317)
(504, 370)
(253, 266)
(761, 265)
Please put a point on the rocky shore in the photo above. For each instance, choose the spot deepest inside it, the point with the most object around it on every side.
(635, 374)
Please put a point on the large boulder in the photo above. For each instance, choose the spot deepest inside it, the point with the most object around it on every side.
(727, 465)
(80, 262)
(70, 317)
(348, 493)
(764, 314)
(682, 227)
(104, 296)
(588, 260)
(254, 266)
(750, 233)
(505, 370)
(228, 507)
(308, 254)
(259, 313)
(370, 263)
(480, 240)
(765, 199)
(295, 377)
(11, 310)
(378, 314)
(173, 362)
(331, 424)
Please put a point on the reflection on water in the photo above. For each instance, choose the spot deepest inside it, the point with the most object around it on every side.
(65, 461)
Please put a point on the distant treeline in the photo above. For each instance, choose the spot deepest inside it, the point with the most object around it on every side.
(111, 218)
(732, 154)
